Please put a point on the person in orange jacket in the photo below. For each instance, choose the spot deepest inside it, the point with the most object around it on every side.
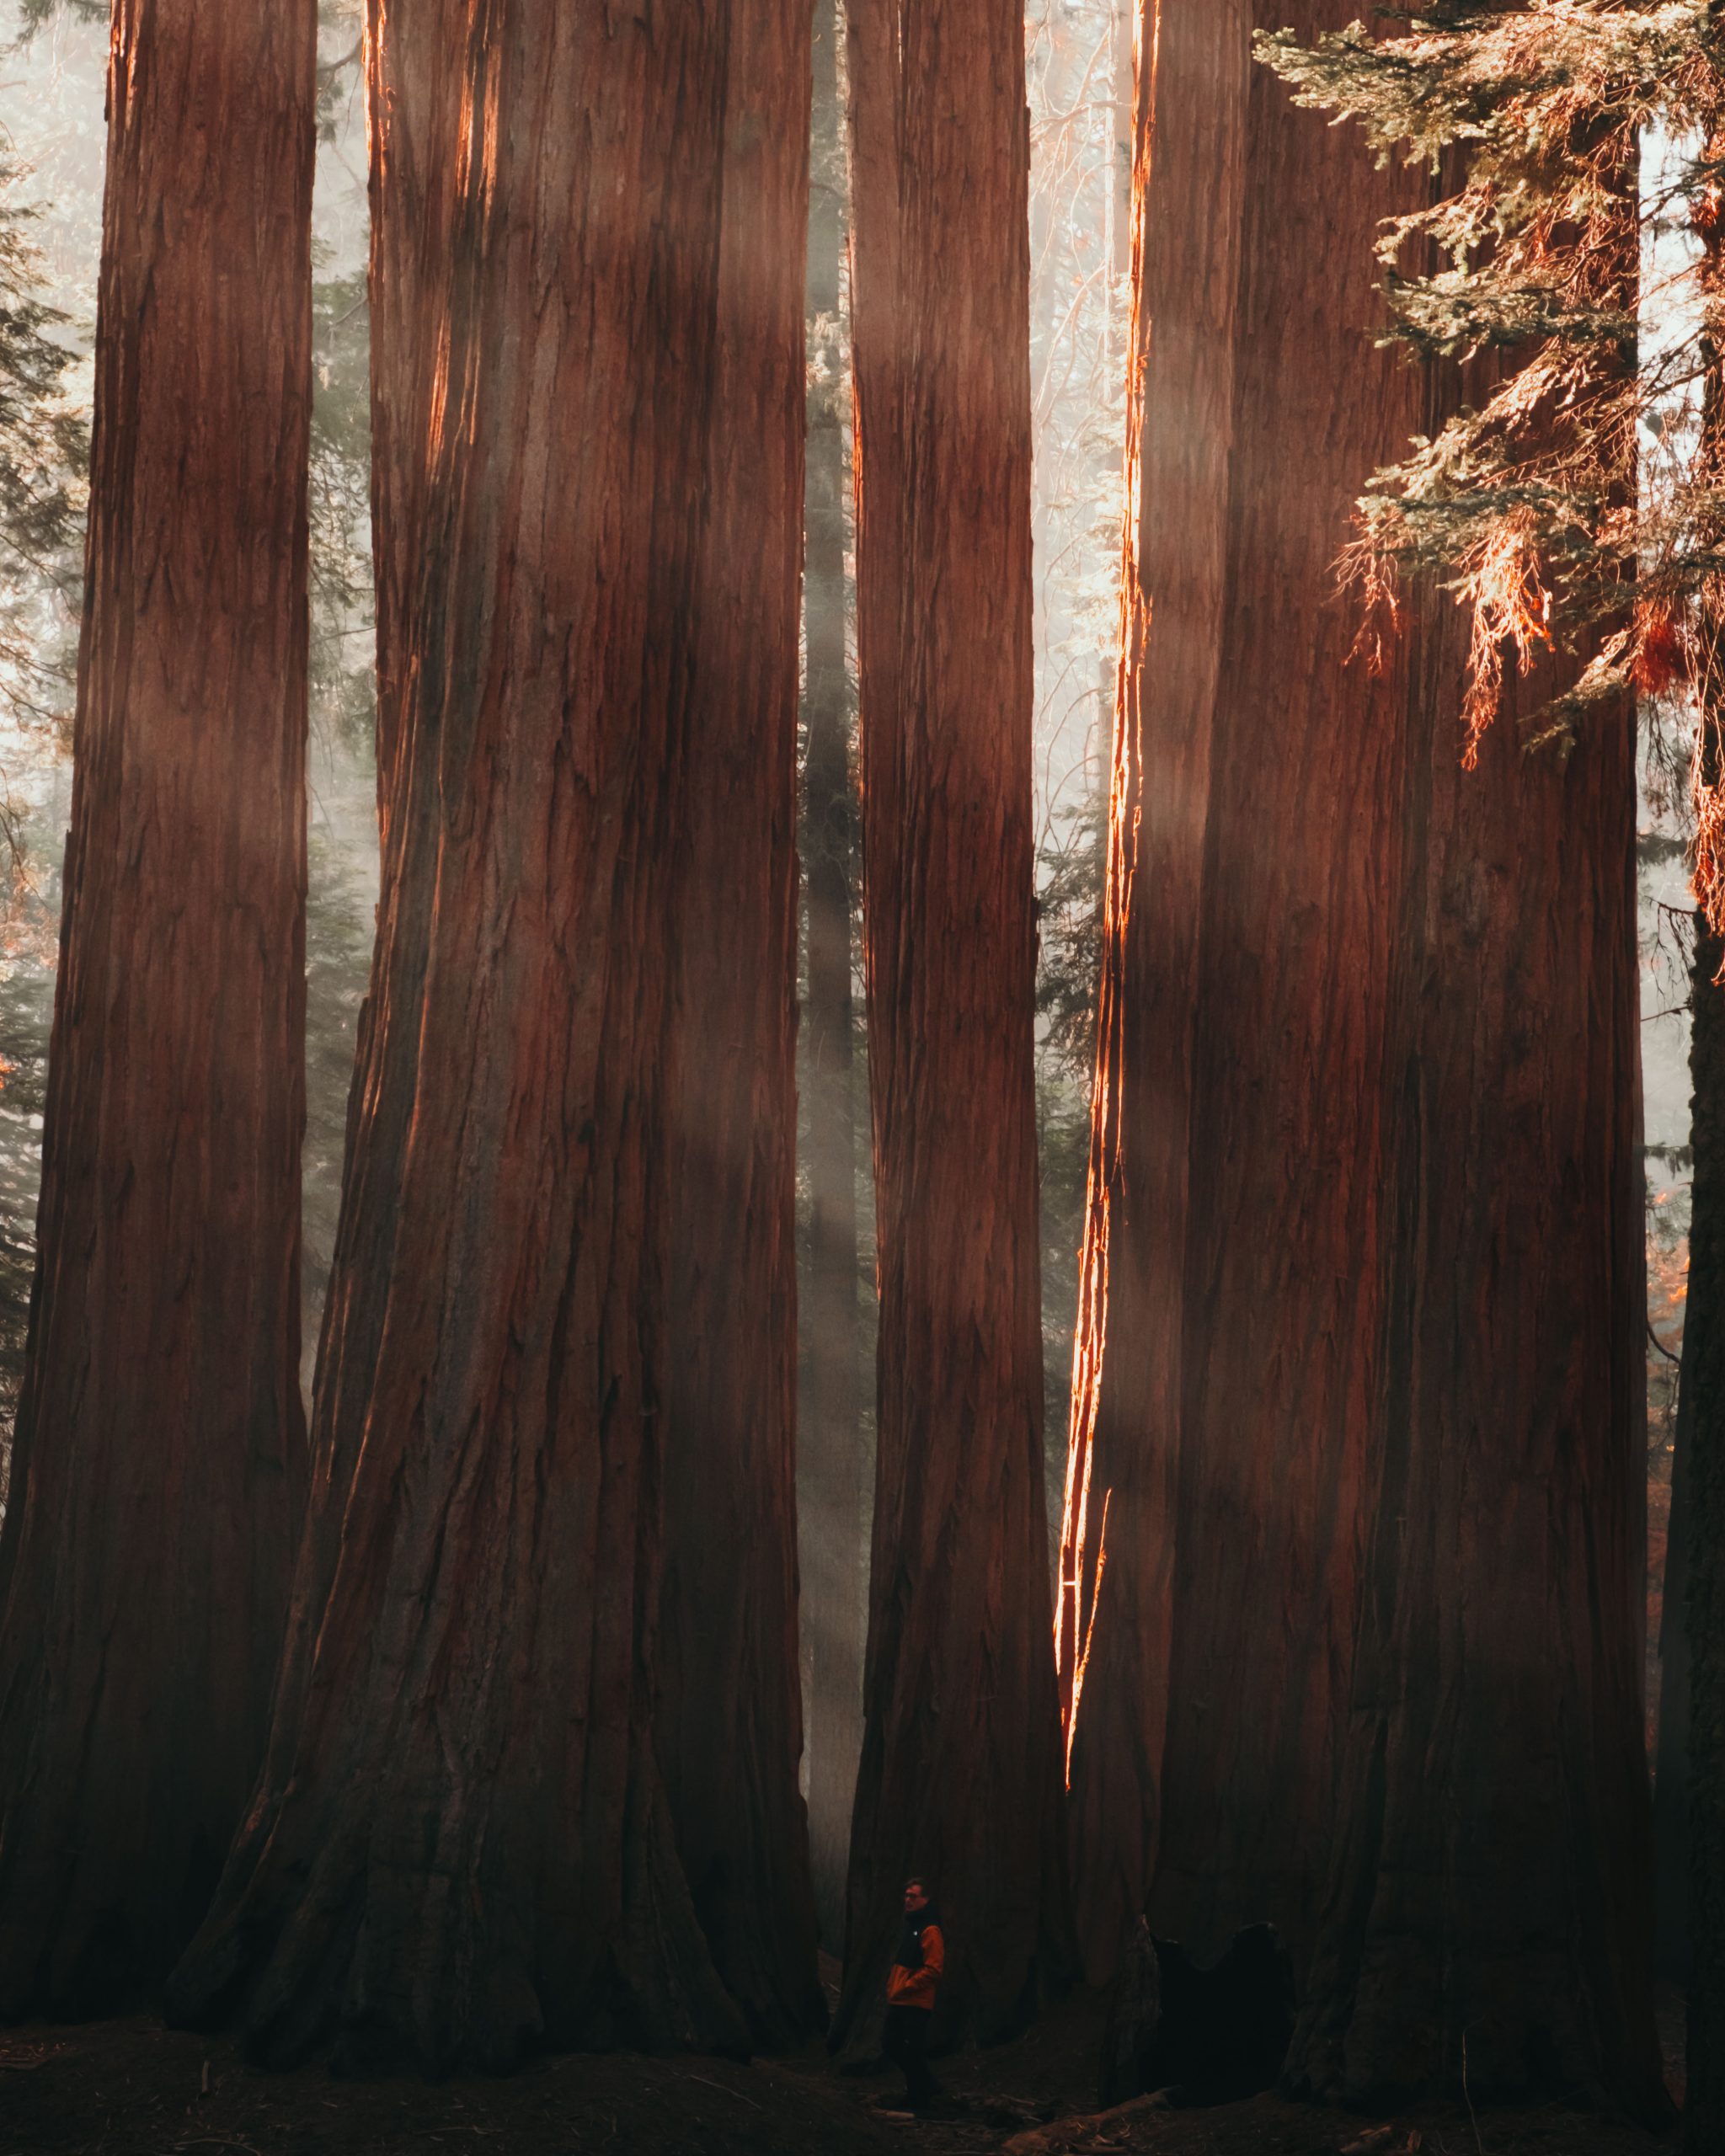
(911, 1983)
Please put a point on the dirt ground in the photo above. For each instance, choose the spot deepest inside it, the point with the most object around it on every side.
(134, 2089)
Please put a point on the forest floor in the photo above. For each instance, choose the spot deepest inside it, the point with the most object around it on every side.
(133, 2089)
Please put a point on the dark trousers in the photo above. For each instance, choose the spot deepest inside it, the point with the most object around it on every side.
(905, 2043)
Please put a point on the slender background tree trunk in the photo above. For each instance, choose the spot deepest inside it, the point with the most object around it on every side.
(159, 1471)
(461, 1847)
(730, 1713)
(959, 1776)
(830, 1483)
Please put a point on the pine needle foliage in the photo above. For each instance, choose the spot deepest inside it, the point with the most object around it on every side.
(1578, 503)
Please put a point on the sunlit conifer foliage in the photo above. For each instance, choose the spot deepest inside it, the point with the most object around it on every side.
(1520, 504)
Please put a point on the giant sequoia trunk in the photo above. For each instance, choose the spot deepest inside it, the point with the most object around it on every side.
(959, 1776)
(1229, 1320)
(1112, 1656)
(460, 1846)
(1702, 1437)
(159, 1469)
(729, 1718)
(1690, 1814)
(1488, 1921)
(1490, 1912)
(831, 1478)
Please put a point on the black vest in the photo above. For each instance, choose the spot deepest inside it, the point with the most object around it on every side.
(909, 1953)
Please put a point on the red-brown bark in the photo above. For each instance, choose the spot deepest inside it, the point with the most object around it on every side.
(1189, 178)
(959, 1776)
(1228, 1328)
(832, 1465)
(1690, 1783)
(159, 1469)
(461, 1847)
(1700, 1795)
(1493, 1886)
(730, 1715)
(1488, 1919)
